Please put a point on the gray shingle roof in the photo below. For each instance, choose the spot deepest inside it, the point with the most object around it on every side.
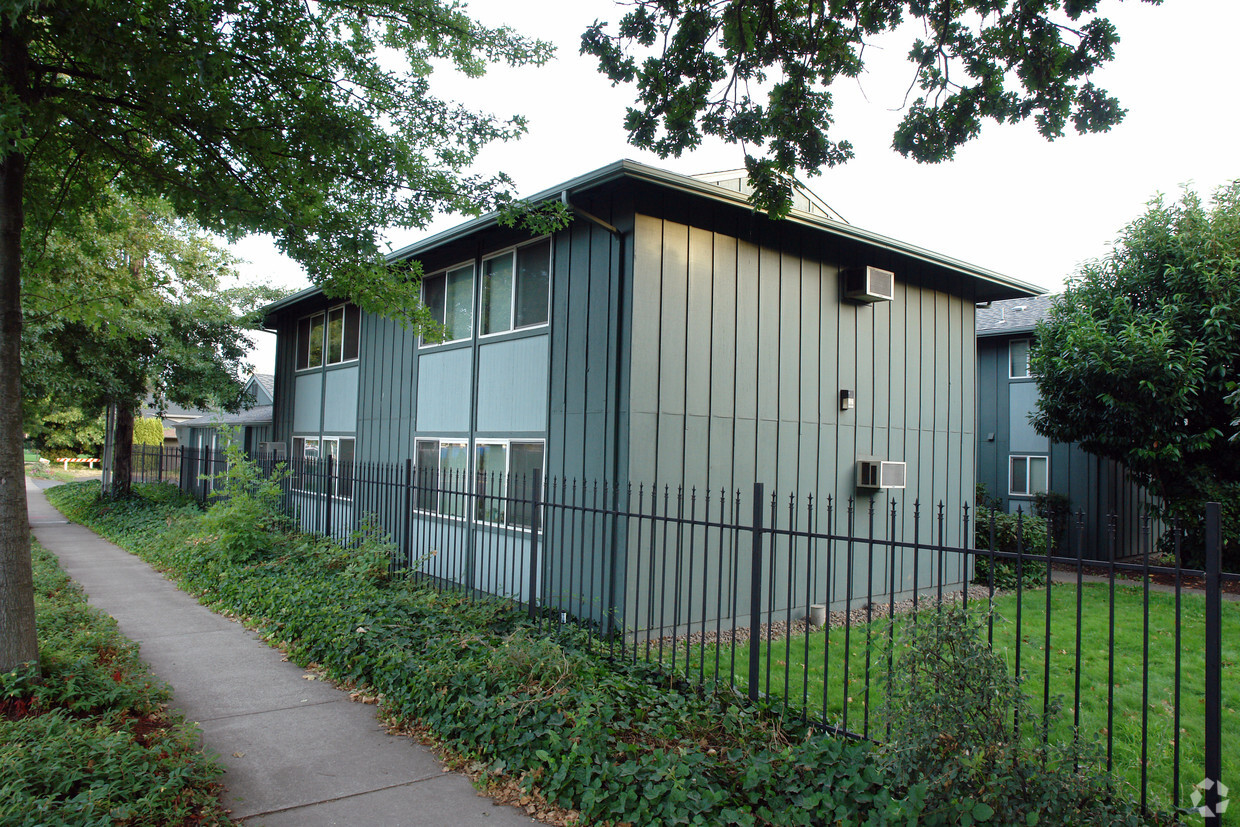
(1013, 315)
(258, 415)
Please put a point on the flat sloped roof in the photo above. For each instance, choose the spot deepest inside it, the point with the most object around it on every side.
(995, 285)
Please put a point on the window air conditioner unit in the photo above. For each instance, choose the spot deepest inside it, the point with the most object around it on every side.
(874, 473)
(276, 448)
(869, 284)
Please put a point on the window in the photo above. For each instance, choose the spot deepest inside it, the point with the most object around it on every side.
(503, 469)
(331, 336)
(515, 288)
(1018, 359)
(450, 298)
(341, 451)
(442, 465)
(1028, 476)
(505, 480)
(309, 466)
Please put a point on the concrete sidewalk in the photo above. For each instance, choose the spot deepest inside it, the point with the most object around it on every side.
(298, 752)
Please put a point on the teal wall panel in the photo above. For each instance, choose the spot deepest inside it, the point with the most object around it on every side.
(512, 385)
(1023, 400)
(308, 403)
(699, 349)
(444, 384)
(340, 400)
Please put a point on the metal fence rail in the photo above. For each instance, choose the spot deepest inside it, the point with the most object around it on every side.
(801, 602)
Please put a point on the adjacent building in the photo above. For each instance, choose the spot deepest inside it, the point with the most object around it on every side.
(1016, 464)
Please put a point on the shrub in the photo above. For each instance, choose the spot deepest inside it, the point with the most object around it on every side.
(1056, 509)
(247, 517)
(1012, 532)
(954, 744)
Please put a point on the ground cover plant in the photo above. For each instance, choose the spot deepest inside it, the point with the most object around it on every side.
(91, 743)
(613, 742)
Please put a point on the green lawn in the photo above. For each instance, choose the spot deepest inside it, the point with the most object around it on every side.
(835, 681)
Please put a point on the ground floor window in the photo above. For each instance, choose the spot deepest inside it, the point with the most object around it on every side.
(310, 469)
(506, 475)
(1028, 475)
(497, 481)
(443, 466)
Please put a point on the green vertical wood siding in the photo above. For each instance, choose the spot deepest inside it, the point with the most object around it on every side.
(739, 353)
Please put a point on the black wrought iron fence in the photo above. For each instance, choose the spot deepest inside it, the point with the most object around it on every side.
(803, 603)
(156, 463)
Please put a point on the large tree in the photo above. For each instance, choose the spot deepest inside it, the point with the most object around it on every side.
(313, 122)
(759, 73)
(1139, 360)
(133, 302)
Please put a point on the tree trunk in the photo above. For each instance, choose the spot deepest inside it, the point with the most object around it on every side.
(122, 451)
(18, 644)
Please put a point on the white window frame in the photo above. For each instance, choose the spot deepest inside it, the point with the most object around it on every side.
(512, 298)
(473, 301)
(321, 443)
(462, 442)
(1029, 460)
(326, 316)
(296, 477)
(1028, 343)
(507, 473)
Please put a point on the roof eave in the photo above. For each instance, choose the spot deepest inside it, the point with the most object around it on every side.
(1004, 331)
(1001, 286)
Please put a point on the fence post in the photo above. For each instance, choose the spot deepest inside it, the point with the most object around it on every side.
(206, 472)
(1214, 661)
(535, 505)
(328, 481)
(755, 591)
(406, 542)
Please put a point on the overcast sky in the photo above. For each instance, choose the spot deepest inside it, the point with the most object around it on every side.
(1010, 201)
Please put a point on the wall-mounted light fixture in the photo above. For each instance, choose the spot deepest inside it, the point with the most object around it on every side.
(848, 400)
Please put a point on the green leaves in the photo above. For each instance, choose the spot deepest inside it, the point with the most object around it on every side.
(697, 68)
(956, 748)
(1137, 360)
(261, 116)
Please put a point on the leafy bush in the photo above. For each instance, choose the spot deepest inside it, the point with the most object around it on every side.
(1011, 532)
(955, 747)
(1056, 509)
(247, 517)
(89, 741)
(148, 430)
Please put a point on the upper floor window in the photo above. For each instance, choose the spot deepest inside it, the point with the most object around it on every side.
(515, 288)
(331, 336)
(450, 298)
(1018, 359)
